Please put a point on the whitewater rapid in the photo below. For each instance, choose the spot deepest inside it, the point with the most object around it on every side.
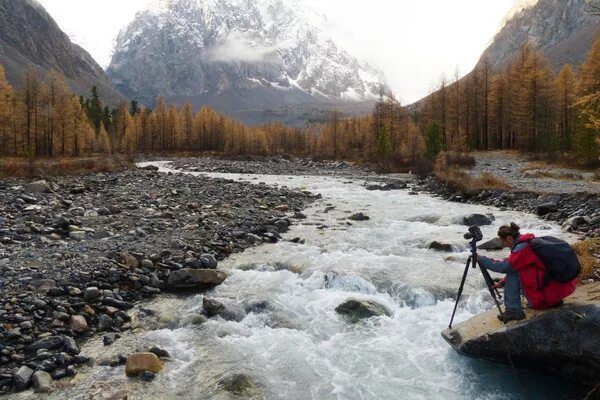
(291, 342)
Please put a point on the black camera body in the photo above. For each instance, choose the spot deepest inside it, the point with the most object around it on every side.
(474, 234)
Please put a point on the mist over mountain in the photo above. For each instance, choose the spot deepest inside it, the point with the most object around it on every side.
(251, 59)
(29, 37)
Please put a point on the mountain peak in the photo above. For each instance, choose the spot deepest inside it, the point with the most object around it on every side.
(263, 53)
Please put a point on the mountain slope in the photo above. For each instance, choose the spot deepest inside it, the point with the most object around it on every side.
(243, 57)
(563, 30)
(29, 37)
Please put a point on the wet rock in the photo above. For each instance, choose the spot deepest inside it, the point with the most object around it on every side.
(105, 323)
(109, 339)
(282, 208)
(22, 378)
(70, 345)
(138, 363)
(435, 245)
(212, 307)
(252, 238)
(42, 382)
(494, 244)
(48, 343)
(546, 208)
(359, 217)
(355, 310)
(195, 278)
(573, 223)
(282, 225)
(148, 376)
(478, 220)
(208, 261)
(161, 353)
(239, 384)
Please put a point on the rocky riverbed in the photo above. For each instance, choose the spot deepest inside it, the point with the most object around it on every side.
(77, 252)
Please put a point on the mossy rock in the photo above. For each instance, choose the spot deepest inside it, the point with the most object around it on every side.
(198, 319)
(355, 310)
(239, 384)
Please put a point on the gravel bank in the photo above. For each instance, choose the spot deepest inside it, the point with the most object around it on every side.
(77, 252)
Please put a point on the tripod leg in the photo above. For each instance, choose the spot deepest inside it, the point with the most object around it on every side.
(460, 290)
(490, 285)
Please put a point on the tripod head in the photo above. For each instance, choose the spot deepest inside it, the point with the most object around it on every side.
(474, 234)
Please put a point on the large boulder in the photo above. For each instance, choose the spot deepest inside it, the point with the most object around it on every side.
(562, 341)
(438, 246)
(47, 343)
(355, 310)
(478, 220)
(494, 244)
(188, 278)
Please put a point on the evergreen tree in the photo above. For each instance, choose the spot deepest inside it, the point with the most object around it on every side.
(434, 140)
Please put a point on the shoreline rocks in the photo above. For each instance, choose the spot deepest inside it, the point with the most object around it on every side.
(79, 251)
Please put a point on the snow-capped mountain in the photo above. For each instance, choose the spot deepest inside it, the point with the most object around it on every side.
(240, 56)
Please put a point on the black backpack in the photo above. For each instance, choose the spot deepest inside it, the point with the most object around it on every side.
(559, 258)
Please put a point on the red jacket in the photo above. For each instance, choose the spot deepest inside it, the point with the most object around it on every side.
(531, 271)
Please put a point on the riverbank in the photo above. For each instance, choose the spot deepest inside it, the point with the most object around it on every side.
(78, 252)
(169, 222)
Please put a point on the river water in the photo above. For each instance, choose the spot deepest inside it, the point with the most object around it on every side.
(295, 346)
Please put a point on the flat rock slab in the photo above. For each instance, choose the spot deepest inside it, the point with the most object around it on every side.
(562, 341)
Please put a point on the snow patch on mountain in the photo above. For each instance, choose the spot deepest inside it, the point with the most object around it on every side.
(188, 48)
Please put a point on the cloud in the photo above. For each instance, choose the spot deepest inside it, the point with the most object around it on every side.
(238, 47)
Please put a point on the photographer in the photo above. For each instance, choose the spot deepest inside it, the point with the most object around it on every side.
(526, 273)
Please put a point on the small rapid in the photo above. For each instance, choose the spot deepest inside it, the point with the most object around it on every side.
(284, 332)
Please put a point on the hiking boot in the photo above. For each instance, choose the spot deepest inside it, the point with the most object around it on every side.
(508, 316)
(560, 303)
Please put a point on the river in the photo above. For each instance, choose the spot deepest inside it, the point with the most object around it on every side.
(295, 346)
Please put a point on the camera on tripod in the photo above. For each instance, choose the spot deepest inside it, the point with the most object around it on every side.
(474, 234)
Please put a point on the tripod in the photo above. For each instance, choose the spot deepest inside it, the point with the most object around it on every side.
(472, 262)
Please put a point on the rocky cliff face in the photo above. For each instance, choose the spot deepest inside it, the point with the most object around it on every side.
(29, 37)
(239, 56)
(563, 30)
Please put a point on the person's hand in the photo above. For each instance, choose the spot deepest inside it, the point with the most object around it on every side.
(499, 283)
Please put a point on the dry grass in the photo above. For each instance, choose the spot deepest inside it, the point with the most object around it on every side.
(588, 252)
(459, 179)
(20, 167)
(542, 169)
(563, 176)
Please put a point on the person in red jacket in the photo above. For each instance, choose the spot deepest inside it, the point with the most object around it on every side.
(524, 273)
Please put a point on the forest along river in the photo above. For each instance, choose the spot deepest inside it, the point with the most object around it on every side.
(295, 346)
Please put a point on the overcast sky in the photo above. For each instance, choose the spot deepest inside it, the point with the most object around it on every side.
(413, 42)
